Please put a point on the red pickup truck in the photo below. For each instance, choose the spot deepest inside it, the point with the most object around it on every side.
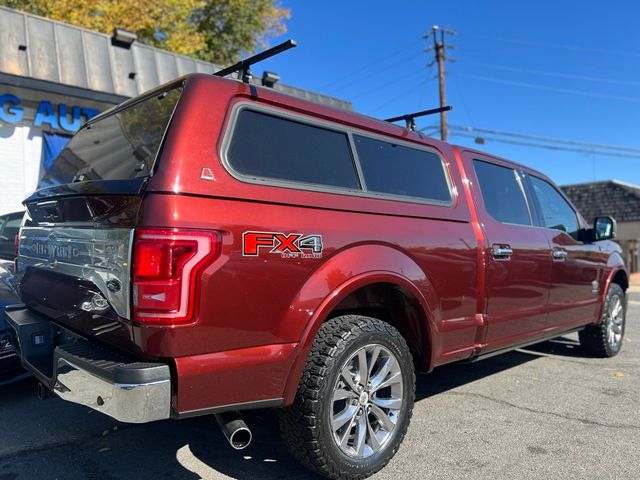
(214, 246)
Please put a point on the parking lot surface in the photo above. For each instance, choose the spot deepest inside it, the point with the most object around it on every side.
(547, 411)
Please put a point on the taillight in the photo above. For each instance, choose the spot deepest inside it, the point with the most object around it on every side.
(166, 271)
(16, 245)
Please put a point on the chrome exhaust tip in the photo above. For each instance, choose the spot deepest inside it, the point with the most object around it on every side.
(235, 430)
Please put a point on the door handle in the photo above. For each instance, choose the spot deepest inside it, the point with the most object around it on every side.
(501, 252)
(559, 254)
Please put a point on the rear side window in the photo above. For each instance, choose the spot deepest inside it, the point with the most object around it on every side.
(556, 213)
(398, 170)
(120, 146)
(266, 146)
(502, 194)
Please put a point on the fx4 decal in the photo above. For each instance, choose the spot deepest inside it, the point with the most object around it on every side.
(291, 245)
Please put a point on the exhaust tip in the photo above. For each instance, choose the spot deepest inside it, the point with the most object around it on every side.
(241, 438)
(235, 430)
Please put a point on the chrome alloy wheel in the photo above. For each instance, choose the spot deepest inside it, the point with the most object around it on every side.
(366, 403)
(615, 322)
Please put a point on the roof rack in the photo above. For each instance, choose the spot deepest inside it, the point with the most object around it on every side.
(244, 66)
(410, 118)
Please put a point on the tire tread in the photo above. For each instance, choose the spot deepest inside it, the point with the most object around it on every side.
(593, 338)
(298, 423)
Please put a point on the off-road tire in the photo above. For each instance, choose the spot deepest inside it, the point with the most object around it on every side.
(594, 337)
(305, 425)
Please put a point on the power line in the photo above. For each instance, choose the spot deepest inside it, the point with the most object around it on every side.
(400, 95)
(551, 89)
(544, 139)
(587, 61)
(386, 84)
(367, 65)
(461, 97)
(548, 147)
(367, 76)
(561, 143)
(576, 48)
(554, 74)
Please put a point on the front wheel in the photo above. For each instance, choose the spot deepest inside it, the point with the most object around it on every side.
(605, 339)
(354, 400)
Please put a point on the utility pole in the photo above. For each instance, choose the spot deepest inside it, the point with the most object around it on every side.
(440, 50)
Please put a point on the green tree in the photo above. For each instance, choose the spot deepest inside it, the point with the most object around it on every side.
(215, 30)
(231, 27)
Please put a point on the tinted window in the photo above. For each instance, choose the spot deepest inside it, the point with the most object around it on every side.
(399, 170)
(266, 146)
(12, 227)
(122, 145)
(501, 193)
(556, 213)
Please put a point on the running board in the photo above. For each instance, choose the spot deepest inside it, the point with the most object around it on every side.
(500, 351)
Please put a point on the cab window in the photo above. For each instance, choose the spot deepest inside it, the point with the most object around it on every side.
(502, 193)
(555, 211)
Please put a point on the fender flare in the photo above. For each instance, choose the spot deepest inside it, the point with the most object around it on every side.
(341, 275)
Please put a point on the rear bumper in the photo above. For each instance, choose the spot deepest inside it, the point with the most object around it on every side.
(126, 402)
(88, 374)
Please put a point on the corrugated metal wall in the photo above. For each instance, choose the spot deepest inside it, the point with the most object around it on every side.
(43, 49)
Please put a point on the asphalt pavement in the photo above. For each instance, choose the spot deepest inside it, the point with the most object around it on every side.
(545, 412)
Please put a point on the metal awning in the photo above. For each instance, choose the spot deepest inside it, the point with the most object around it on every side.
(44, 50)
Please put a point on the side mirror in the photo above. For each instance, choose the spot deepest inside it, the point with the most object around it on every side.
(604, 228)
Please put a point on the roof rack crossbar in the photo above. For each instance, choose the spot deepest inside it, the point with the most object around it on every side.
(244, 66)
(410, 118)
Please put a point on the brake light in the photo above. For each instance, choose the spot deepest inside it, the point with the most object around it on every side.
(166, 271)
(16, 245)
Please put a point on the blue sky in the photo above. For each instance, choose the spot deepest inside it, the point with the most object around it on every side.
(562, 69)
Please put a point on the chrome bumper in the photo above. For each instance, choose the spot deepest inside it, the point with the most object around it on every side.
(126, 402)
(88, 374)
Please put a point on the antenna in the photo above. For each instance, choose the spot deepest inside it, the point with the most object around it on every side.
(410, 118)
(244, 66)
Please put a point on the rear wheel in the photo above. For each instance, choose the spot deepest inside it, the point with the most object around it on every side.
(354, 401)
(605, 339)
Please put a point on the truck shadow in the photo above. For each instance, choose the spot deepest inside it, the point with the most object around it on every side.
(455, 375)
(448, 377)
(192, 448)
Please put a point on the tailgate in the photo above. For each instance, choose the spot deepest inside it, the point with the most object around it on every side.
(80, 278)
(74, 251)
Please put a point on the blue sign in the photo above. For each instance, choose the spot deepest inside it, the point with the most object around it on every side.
(61, 118)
